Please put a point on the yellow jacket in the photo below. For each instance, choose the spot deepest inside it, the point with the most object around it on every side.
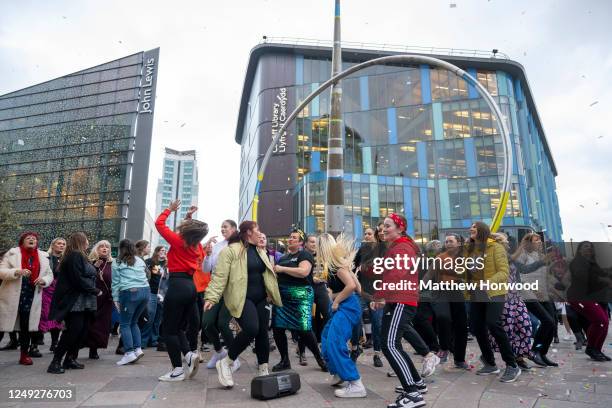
(496, 267)
(230, 279)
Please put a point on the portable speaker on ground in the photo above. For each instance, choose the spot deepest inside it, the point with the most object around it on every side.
(275, 385)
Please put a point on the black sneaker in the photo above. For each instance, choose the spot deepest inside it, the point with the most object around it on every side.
(55, 368)
(421, 388)
(488, 370)
(510, 374)
(405, 400)
(302, 358)
(595, 354)
(34, 352)
(605, 356)
(377, 361)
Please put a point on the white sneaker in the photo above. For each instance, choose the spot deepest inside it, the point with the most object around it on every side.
(174, 375)
(191, 363)
(127, 358)
(337, 381)
(139, 353)
(224, 372)
(212, 363)
(429, 364)
(236, 365)
(353, 389)
(263, 370)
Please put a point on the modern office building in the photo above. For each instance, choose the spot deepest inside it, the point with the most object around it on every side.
(179, 182)
(418, 140)
(74, 151)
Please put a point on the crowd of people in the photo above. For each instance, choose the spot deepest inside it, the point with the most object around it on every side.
(321, 290)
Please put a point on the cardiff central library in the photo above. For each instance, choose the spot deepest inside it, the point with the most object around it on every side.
(418, 140)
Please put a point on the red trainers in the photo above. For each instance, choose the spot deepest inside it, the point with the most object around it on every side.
(25, 359)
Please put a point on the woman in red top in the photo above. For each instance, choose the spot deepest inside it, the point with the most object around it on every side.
(185, 255)
(400, 307)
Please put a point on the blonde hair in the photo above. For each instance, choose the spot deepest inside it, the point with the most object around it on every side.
(93, 255)
(525, 242)
(335, 253)
(50, 251)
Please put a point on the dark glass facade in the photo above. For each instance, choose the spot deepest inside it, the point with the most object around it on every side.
(74, 151)
(418, 140)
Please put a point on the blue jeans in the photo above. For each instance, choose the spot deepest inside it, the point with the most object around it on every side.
(336, 333)
(376, 322)
(150, 331)
(133, 302)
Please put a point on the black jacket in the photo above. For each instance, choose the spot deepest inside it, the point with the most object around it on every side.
(75, 277)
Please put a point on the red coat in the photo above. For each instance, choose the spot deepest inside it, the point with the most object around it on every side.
(399, 274)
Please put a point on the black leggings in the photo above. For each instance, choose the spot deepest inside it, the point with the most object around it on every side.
(217, 320)
(254, 325)
(487, 316)
(180, 311)
(69, 342)
(24, 333)
(423, 323)
(306, 338)
(451, 319)
(546, 331)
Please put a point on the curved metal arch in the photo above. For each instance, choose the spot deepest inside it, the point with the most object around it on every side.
(414, 59)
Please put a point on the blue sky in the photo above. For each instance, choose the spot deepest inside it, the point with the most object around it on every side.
(563, 45)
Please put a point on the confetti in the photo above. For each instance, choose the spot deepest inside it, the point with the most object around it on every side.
(599, 137)
(594, 103)
(183, 124)
(453, 5)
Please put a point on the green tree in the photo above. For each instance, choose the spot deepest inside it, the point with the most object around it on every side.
(9, 226)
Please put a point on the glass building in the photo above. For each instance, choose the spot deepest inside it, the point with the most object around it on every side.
(74, 151)
(418, 140)
(179, 182)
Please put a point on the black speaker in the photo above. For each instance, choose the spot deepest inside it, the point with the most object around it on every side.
(275, 385)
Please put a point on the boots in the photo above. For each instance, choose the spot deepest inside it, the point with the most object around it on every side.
(71, 363)
(55, 367)
(34, 351)
(284, 364)
(11, 345)
(53, 346)
(25, 359)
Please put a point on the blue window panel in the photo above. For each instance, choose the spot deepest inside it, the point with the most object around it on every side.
(422, 183)
(502, 83)
(425, 84)
(356, 178)
(317, 177)
(373, 179)
(310, 224)
(364, 93)
(389, 180)
(518, 90)
(472, 92)
(357, 230)
(444, 203)
(398, 181)
(514, 157)
(424, 203)
(408, 210)
(364, 178)
(466, 223)
(414, 182)
(367, 160)
(422, 159)
(315, 162)
(470, 156)
(299, 70)
(374, 206)
(438, 120)
(392, 125)
(382, 179)
(407, 181)
(508, 221)
(314, 105)
(348, 177)
(430, 183)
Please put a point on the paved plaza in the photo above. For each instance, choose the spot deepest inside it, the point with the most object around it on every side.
(578, 382)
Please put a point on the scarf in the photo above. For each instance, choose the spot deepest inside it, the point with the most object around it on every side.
(29, 257)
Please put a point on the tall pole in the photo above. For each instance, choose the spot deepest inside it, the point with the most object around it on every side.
(334, 204)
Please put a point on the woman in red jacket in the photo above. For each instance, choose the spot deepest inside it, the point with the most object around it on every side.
(185, 256)
(400, 305)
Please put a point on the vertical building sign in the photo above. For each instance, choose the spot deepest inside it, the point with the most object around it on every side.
(279, 117)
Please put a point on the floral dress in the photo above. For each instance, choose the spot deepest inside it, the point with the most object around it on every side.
(515, 321)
